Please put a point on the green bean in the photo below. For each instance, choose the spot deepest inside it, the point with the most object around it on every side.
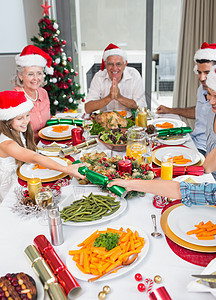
(90, 208)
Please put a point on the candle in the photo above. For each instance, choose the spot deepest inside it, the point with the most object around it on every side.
(76, 134)
(125, 166)
(33, 185)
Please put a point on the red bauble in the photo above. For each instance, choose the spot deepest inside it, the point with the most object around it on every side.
(69, 80)
(55, 39)
(72, 92)
(64, 42)
(141, 287)
(66, 109)
(66, 71)
(69, 58)
(76, 73)
(138, 277)
(54, 64)
(83, 100)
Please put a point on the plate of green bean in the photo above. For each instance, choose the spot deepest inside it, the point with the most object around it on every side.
(91, 208)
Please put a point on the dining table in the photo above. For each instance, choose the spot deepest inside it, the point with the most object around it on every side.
(18, 231)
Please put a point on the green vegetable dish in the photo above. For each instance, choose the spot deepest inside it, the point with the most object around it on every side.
(90, 208)
(108, 240)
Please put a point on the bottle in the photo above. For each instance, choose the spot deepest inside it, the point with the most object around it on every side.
(55, 225)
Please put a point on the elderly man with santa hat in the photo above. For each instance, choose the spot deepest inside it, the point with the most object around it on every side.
(205, 58)
(115, 86)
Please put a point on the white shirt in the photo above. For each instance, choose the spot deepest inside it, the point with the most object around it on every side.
(130, 86)
(8, 168)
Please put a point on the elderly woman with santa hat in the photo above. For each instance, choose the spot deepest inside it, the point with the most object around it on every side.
(30, 66)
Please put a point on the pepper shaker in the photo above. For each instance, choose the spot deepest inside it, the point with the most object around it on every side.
(55, 225)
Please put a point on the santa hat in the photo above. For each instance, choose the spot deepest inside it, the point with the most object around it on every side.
(34, 56)
(13, 104)
(207, 52)
(112, 49)
(211, 79)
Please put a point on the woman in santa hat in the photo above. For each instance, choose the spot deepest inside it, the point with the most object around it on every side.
(30, 66)
(17, 143)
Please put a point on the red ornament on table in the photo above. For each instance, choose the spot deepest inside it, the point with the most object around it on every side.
(125, 166)
(76, 134)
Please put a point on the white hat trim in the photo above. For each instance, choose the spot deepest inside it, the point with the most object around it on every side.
(211, 79)
(209, 54)
(30, 60)
(115, 51)
(12, 112)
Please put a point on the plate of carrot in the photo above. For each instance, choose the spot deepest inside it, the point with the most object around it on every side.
(182, 156)
(195, 225)
(165, 123)
(88, 259)
(57, 131)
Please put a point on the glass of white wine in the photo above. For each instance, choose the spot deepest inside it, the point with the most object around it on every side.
(44, 199)
(87, 125)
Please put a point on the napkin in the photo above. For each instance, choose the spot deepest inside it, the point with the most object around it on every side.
(195, 286)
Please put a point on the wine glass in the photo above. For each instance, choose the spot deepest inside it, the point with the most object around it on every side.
(44, 198)
(87, 125)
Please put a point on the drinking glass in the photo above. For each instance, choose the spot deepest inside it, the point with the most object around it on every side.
(135, 143)
(87, 125)
(147, 154)
(44, 197)
(167, 167)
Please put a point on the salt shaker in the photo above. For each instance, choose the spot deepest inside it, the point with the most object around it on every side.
(55, 225)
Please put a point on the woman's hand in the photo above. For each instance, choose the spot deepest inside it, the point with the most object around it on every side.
(72, 170)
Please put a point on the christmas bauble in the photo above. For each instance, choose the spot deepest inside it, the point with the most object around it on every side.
(57, 60)
(54, 80)
(55, 25)
(157, 279)
(55, 102)
(64, 42)
(76, 73)
(106, 289)
(72, 70)
(69, 80)
(70, 100)
(69, 58)
(41, 39)
(101, 295)
(64, 96)
(57, 31)
(64, 63)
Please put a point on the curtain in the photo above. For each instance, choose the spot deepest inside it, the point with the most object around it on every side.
(198, 25)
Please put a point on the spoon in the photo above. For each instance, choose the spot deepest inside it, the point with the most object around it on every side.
(155, 233)
(128, 262)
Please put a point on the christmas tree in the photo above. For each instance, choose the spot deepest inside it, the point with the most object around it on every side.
(64, 92)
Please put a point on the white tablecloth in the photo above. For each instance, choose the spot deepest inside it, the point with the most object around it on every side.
(17, 233)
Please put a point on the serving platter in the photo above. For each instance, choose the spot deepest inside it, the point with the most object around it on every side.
(26, 171)
(71, 198)
(167, 231)
(71, 264)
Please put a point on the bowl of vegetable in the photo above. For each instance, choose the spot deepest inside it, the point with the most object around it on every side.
(114, 139)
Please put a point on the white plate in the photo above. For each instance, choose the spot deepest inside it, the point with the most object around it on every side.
(27, 170)
(182, 219)
(173, 142)
(48, 131)
(71, 264)
(70, 199)
(197, 179)
(69, 115)
(176, 151)
(175, 122)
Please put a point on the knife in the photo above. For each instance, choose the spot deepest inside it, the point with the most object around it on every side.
(206, 277)
(172, 137)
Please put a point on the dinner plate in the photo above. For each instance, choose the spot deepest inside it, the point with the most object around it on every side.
(176, 151)
(174, 122)
(71, 264)
(176, 239)
(173, 142)
(183, 218)
(70, 199)
(26, 170)
(69, 115)
(193, 178)
(48, 131)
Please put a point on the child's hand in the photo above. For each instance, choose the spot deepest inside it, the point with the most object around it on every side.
(72, 170)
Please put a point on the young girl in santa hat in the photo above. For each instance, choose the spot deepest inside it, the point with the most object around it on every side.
(30, 66)
(17, 143)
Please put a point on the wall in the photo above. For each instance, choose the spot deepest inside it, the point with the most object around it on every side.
(19, 22)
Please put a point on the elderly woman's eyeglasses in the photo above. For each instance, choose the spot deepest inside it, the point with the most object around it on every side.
(32, 74)
(111, 65)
